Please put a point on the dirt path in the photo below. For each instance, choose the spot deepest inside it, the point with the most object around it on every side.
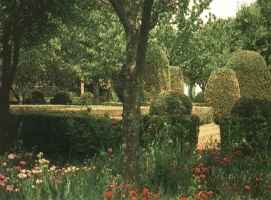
(209, 136)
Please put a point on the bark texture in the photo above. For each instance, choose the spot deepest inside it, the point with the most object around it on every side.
(136, 18)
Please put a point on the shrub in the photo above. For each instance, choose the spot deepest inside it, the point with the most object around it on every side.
(222, 91)
(62, 98)
(205, 113)
(86, 99)
(249, 124)
(171, 105)
(155, 78)
(160, 129)
(176, 79)
(66, 134)
(199, 98)
(37, 97)
(252, 73)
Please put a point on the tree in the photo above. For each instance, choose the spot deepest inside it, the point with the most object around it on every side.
(138, 18)
(211, 47)
(254, 25)
(22, 23)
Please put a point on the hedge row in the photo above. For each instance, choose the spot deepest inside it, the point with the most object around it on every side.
(248, 125)
(66, 134)
(80, 135)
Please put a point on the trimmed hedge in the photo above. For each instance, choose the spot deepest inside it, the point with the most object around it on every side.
(66, 134)
(170, 119)
(248, 125)
(222, 91)
(252, 73)
(158, 129)
(62, 98)
(171, 104)
(37, 97)
(176, 79)
(155, 78)
(86, 99)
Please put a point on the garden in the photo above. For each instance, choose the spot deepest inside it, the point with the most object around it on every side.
(134, 100)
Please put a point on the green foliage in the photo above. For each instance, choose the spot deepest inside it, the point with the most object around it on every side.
(62, 98)
(171, 105)
(160, 129)
(176, 79)
(249, 125)
(222, 91)
(155, 77)
(37, 97)
(66, 134)
(252, 73)
(86, 99)
(204, 112)
(199, 98)
(253, 23)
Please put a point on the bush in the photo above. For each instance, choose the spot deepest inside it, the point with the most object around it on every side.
(199, 98)
(171, 105)
(159, 129)
(86, 99)
(252, 73)
(205, 113)
(62, 98)
(176, 79)
(66, 134)
(37, 97)
(249, 124)
(155, 78)
(222, 91)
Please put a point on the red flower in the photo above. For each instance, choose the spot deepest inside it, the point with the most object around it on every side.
(2, 177)
(202, 195)
(247, 188)
(132, 195)
(108, 194)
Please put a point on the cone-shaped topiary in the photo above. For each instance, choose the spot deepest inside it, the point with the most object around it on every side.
(176, 79)
(252, 73)
(222, 91)
(155, 77)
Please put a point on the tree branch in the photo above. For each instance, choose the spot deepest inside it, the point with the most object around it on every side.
(119, 8)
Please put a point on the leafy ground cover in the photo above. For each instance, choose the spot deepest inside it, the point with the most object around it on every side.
(166, 173)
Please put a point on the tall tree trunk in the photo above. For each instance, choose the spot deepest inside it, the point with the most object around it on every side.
(7, 128)
(10, 55)
(131, 111)
(130, 132)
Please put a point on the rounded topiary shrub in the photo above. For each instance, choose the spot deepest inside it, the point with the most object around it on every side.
(172, 105)
(222, 91)
(252, 73)
(62, 98)
(249, 125)
(155, 77)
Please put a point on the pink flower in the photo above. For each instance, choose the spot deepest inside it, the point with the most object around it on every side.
(9, 188)
(22, 163)
(11, 156)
